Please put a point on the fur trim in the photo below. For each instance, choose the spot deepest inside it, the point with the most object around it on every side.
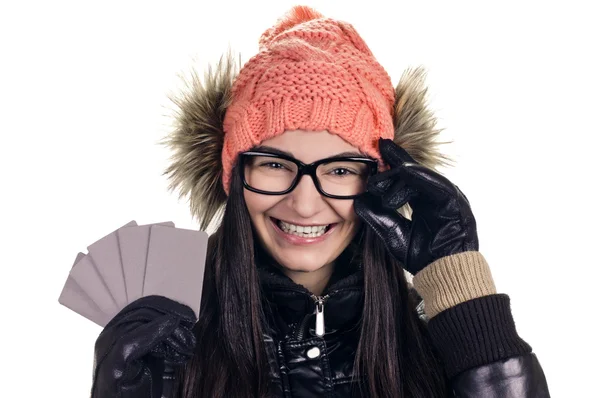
(414, 123)
(197, 140)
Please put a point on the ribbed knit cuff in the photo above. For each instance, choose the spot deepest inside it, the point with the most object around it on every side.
(475, 333)
(452, 280)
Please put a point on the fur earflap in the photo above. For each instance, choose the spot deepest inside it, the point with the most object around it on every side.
(197, 139)
(414, 123)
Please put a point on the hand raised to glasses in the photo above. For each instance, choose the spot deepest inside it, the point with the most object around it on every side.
(134, 348)
(442, 221)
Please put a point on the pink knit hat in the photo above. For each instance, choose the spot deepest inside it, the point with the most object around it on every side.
(312, 73)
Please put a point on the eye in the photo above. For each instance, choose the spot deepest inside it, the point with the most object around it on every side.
(341, 172)
(273, 166)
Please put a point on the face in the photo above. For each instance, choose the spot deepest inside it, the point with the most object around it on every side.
(304, 206)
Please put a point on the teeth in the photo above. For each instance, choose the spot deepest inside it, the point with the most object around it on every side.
(307, 232)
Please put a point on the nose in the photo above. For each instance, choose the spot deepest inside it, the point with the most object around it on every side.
(306, 200)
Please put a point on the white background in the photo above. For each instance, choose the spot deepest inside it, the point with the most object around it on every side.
(83, 102)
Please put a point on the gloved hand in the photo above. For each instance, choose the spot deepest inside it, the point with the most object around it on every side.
(442, 222)
(131, 351)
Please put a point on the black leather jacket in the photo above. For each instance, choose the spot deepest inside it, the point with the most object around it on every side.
(303, 364)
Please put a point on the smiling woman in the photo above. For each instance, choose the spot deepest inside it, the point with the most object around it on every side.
(322, 179)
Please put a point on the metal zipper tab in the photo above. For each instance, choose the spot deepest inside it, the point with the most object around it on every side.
(320, 315)
(320, 326)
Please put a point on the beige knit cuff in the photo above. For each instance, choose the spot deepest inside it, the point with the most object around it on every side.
(452, 280)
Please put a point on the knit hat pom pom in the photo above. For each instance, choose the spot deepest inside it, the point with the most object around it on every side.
(296, 15)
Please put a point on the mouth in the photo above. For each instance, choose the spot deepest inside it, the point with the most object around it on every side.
(302, 234)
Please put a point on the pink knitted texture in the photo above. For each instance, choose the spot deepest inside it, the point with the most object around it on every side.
(312, 73)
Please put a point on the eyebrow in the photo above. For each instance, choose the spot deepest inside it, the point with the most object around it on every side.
(280, 152)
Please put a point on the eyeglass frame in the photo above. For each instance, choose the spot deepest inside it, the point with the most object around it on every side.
(303, 168)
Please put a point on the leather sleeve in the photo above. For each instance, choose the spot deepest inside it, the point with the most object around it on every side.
(516, 377)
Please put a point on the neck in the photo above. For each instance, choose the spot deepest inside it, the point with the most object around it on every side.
(313, 281)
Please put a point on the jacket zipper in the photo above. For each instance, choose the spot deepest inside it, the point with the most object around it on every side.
(320, 314)
(320, 318)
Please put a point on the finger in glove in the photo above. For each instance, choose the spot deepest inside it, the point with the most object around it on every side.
(393, 228)
(393, 154)
(398, 195)
(178, 348)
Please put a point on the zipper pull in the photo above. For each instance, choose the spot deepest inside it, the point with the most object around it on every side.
(320, 327)
(320, 315)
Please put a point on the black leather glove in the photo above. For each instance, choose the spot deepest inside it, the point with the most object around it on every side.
(442, 222)
(131, 351)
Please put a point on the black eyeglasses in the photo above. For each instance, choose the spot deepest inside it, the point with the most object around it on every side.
(338, 177)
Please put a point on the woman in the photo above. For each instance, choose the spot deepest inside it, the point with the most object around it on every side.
(307, 152)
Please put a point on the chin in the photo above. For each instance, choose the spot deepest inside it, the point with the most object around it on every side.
(300, 262)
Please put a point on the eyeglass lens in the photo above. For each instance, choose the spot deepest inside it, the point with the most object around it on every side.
(273, 174)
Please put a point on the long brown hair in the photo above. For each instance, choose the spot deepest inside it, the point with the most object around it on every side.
(394, 354)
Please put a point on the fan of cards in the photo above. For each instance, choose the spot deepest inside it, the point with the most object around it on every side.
(136, 261)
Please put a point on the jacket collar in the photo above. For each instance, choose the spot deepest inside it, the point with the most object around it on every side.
(288, 303)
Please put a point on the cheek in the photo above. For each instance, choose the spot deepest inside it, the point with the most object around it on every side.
(345, 209)
(257, 205)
